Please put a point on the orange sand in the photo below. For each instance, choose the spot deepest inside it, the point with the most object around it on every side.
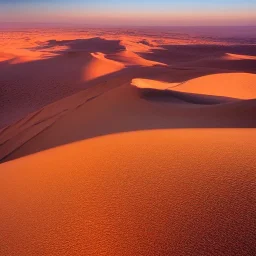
(162, 192)
(100, 66)
(135, 146)
(234, 85)
(239, 57)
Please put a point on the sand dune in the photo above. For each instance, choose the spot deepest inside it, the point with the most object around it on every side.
(117, 106)
(232, 85)
(6, 56)
(238, 85)
(66, 67)
(130, 58)
(207, 56)
(47, 80)
(62, 67)
(136, 146)
(103, 70)
(152, 84)
(187, 192)
(100, 66)
(239, 57)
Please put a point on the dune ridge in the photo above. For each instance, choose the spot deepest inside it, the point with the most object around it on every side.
(111, 106)
(67, 63)
(130, 58)
(100, 66)
(232, 85)
(239, 56)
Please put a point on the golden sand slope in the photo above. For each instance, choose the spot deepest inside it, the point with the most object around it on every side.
(152, 84)
(231, 56)
(238, 85)
(161, 192)
(6, 56)
(100, 66)
(233, 85)
(130, 58)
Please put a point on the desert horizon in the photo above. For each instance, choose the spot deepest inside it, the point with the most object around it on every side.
(124, 132)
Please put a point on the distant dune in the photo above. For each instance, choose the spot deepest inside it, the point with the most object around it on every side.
(239, 57)
(100, 66)
(130, 58)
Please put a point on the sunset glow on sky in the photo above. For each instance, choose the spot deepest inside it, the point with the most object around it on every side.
(132, 12)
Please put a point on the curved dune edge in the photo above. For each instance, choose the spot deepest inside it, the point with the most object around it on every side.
(6, 56)
(100, 66)
(116, 107)
(129, 58)
(179, 192)
(142, 83)
(233, 85)
(232, 56)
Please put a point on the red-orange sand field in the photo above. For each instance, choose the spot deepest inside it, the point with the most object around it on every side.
(127, 142)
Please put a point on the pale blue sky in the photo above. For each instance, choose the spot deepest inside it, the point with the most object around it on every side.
(134, 12)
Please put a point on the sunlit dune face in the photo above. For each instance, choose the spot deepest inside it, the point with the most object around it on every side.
(19, 48)
(129, 58)
(25, 46)
(162, 192)
(152, 84)
(231, 56)
(100, 66)
(233, 85)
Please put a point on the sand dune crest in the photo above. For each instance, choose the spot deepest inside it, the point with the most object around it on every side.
(233, 85)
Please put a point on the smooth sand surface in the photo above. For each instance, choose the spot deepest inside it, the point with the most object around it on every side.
(152, 84)
(131, 58)
(238, 85)
(100, 66)
(232, 85)
(161, 192)
(239, 57)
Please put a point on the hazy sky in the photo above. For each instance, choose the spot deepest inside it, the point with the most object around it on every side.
(130, 12)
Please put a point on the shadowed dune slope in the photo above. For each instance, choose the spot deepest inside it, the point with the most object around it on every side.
(64, 67)
(115, 107)
(27, 87)
(161, 192)
(211, 56)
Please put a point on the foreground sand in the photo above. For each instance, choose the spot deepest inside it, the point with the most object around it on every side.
(162, 192)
